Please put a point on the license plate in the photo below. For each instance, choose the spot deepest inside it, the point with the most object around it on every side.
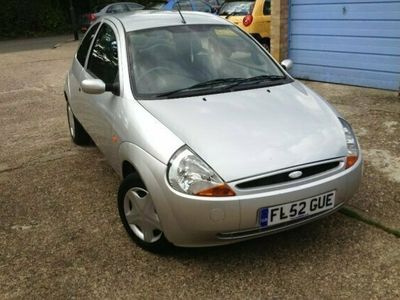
(274, 215)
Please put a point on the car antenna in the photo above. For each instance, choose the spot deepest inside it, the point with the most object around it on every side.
(179, 11)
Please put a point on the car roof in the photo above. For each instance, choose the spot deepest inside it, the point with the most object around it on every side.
(144, 19)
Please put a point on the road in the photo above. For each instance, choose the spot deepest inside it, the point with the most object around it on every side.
(61, 237)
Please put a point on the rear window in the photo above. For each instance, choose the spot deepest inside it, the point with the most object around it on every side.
(237, 8)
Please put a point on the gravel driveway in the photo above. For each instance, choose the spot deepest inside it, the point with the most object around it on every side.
(61, 237)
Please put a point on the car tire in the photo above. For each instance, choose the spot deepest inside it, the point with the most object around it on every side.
(78, 134)
(139, 216)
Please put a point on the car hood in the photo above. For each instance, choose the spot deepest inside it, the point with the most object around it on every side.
(246, 133)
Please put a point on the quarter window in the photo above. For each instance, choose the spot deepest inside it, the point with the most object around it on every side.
(267, 7)
(103, 60)
(84, 48)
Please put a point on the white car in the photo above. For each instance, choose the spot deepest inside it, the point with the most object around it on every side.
(214, 142)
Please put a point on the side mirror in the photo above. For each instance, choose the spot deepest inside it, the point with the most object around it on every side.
(97, 86)
(287, 64)
(93, 86)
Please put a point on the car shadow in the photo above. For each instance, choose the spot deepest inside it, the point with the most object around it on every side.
(321, 237)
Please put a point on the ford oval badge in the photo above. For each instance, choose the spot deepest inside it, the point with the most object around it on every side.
(295, 174)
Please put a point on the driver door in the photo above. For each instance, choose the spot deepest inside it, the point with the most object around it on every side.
(103, 64)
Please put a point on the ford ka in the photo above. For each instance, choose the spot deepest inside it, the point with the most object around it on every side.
(213, 140)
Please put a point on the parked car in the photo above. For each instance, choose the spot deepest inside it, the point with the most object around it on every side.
(254, 17)
(189, 5)
(158, 4)
(216, 4)
(87, 19)
(214, 141)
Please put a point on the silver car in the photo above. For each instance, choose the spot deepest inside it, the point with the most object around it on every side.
(214, 141)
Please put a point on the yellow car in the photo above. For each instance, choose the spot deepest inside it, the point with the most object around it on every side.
(254, 17)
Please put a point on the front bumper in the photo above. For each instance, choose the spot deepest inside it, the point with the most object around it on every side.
(193, 221)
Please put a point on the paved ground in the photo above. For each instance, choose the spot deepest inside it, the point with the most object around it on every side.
(60, 235)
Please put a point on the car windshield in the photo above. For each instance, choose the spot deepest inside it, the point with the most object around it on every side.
(187, 60)
(237, 8)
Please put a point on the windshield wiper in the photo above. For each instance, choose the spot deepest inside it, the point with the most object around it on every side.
(214, 82)
(223, 83)
(258, 79)
(263, 78)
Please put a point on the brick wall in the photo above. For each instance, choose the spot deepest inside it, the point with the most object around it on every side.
(279, 29)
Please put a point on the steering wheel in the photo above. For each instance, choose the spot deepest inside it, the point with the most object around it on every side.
(152, 70)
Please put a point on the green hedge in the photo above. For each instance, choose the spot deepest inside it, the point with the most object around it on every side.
(33, 17)
(27, 17)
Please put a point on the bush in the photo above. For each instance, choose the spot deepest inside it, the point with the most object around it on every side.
(30, 17)
(34, 17)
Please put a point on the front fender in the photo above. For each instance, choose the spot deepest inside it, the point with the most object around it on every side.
(153, 173)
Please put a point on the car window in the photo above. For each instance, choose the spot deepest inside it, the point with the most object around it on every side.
(201, 6)
(184, 4)
(117, 8)
(84, 47)
(103, 60)
(267, 7)
(237, 8)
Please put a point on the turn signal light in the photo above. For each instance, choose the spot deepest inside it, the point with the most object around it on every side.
(247, 20)
(351, 160)
(222, 190)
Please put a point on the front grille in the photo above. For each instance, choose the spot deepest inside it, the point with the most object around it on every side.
(284, 177)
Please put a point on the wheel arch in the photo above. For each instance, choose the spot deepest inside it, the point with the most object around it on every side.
(128, 168)
(152, 172)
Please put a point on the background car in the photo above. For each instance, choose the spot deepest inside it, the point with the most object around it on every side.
(87, 19)
(158, 4)
(214, 141)
(190, 5)
(254, 17)
(216, 4)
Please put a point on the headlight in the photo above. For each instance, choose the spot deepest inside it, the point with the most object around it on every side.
(351, 142)
(188, 173)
